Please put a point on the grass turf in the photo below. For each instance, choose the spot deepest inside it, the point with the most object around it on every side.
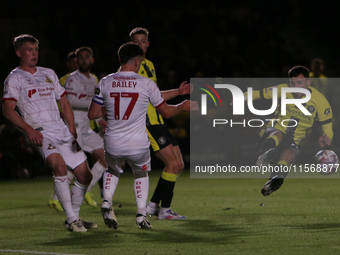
(223, 216)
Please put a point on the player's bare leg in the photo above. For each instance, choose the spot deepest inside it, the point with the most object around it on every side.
(166, 184)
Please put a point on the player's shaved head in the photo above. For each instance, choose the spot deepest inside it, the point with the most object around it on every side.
(128, 51)
(22, 39)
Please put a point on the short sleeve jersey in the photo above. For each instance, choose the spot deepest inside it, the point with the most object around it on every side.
(79, 92)
(126, 96)
(36, 95)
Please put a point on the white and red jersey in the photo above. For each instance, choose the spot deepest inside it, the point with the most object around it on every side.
(79, 92)
(126, 96)
(36, 95)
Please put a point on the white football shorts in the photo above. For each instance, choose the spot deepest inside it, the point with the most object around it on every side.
(89, 140)
(63, 143)
(138, 162)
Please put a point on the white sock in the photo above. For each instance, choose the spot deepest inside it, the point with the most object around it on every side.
(141, 188)
(78, 193)
(97, 172)
(55, 197)
(110, 183)
(152, 204)
(61, 188)
(70, 177)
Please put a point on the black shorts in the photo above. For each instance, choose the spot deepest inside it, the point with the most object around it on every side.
(160, 137)
(286, 143)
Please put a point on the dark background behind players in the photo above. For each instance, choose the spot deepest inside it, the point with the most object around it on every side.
(231, 39)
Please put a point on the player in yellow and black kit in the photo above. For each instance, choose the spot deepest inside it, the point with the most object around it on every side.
(278, 143)
(162, 142)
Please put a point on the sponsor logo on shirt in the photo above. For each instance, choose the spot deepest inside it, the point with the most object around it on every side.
(42, 92)
(123, 78)
(327, 111)
(29, 81)
(31, 92)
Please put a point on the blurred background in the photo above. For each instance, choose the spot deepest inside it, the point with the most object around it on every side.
(204, 39)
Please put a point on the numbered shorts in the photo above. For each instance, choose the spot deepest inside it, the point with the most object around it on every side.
(137, 162)
(89, 140)
(160, 137)
(63, 143)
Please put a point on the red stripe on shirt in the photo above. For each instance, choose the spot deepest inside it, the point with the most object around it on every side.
(160, 104)
(10, 98)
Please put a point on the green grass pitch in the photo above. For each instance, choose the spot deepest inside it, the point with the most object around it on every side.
(224, 216)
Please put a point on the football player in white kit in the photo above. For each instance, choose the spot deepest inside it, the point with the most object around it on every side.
(33, 91)
(124, 97)
(80, 86)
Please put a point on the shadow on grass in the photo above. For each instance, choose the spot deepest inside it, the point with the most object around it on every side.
(318, 226)
(187, 231)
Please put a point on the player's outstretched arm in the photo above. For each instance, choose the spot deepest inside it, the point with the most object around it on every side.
(168, 111)
(68, 115)
(183, 89)
(8, 107)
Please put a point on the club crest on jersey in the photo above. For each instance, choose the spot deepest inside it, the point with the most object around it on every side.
(50, 147)
(48, 80)
(161, 140)
(311, 108)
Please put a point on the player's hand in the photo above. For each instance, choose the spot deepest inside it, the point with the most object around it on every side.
(35, 136)
(103, 124)
(324, 141)
(189, 105)
(73, 131)
(185, 88)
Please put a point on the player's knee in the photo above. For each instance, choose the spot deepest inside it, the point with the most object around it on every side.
(83, 174)
(102, 162)
(176, 168)
(181, 166)
(59, 169)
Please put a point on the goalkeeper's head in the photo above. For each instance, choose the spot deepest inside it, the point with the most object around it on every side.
(140, 36)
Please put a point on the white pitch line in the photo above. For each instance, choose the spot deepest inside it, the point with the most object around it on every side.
(37, 252)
